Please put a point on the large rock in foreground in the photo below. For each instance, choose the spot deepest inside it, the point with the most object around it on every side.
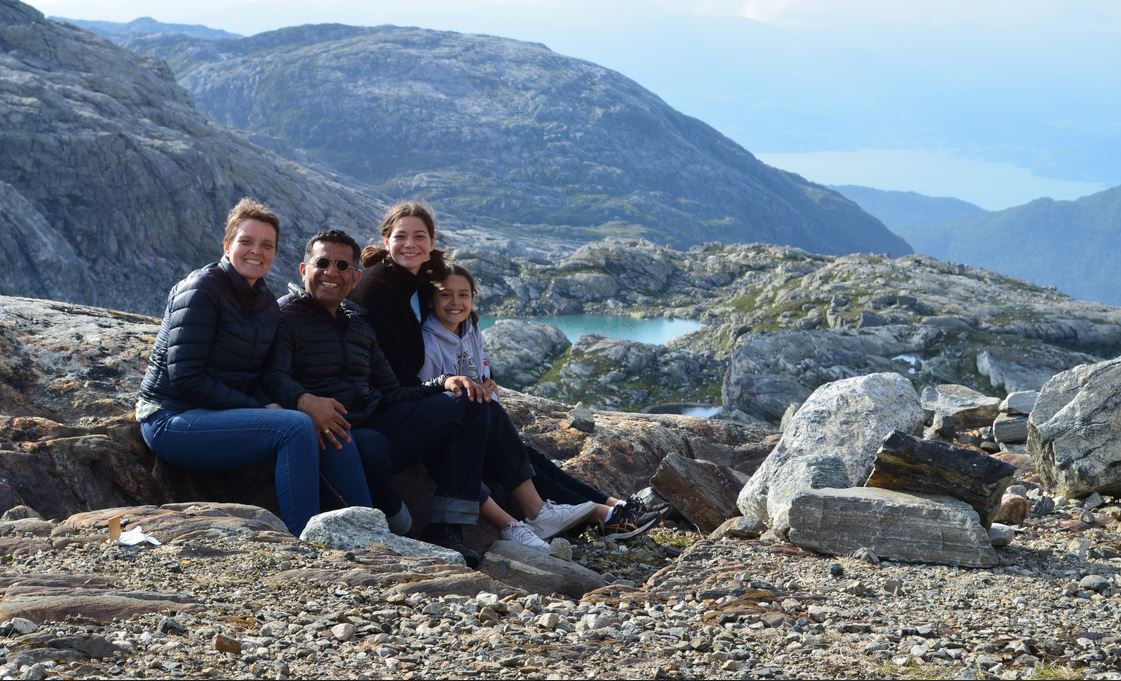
(831, 442)
(1074, 431)
(918, 528)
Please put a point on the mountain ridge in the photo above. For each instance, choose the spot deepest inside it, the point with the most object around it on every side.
(513, 135)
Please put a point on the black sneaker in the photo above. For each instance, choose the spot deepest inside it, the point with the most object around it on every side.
(641, 506)
(628, 521)
(451, 537)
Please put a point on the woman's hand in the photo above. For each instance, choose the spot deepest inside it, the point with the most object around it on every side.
(327, 415)
(273, 405)
(459, 385)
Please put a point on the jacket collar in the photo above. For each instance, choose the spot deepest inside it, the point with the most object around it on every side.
(240, 286)
(349, 308)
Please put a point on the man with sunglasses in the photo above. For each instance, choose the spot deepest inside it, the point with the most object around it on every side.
(326, 362)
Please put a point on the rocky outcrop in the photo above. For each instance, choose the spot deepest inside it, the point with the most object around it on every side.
(113, 185)
(527, 142)
(68, 442)
(521, 352)
(617, 374)
(830, 442)
(1073, 431)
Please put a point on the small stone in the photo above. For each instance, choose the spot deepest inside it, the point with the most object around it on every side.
(170, 625)
(836, 570)
(1087, 517)
(893, 586)
(1093, 501)
(36, 672)
(855, 588)
(549, 620)
(343, 632)
(225, 644)
(561, 548)
(1095, 583)
(1001, 535)
(866, 555)
(581, 418)
(22, 626)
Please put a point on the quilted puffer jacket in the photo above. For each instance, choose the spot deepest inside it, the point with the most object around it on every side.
(333, 356)
(213, 342)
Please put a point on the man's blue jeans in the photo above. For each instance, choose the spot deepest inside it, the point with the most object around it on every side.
(204, 440)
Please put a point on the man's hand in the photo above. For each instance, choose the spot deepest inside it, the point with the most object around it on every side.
(327, 413)
(459, 385)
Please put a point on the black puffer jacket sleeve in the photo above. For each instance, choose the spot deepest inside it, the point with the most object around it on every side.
(278, 376)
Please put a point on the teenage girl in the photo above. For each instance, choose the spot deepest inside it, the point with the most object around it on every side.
(453, 344)
(391, 292)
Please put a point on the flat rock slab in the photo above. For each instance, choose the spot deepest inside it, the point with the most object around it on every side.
(909, 464)
(965, 406)
(182, 522)
(55, 597)
(916, 528)
(536, 571)
(702, 491)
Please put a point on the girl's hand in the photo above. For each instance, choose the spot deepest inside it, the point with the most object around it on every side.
(489, 387)
(459, 385)
(327, 415)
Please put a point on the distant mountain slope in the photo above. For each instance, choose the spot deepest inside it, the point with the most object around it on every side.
(112, 184)
(1074, 245)
(117, 31)
(517, 137)
(908, 213)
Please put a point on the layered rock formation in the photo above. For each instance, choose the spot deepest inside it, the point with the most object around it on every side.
(113, 185)
(69, 376)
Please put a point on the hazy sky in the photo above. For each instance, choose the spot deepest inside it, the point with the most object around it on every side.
(996, 102)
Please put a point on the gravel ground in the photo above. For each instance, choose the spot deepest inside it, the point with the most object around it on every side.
(679, 606)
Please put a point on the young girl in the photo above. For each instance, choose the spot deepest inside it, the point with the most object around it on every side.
(391, 291)
(453, 344)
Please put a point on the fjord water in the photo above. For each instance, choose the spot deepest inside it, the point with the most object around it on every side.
(656, 331)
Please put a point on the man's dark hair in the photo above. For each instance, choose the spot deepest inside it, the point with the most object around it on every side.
(334, 236)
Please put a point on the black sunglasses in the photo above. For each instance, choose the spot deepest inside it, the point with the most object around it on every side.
(325, 262)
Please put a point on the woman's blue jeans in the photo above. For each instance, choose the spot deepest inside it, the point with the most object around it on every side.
(202, 440)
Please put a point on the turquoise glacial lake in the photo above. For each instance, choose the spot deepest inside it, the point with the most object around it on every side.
(657, 331)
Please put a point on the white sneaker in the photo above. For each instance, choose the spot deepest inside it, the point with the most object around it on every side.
(521, 533)
(555, 518)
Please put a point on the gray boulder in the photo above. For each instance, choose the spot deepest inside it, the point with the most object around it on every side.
(358, 527)
(911, 527)
(831, 442)
(1026, 367)
(521, 352)
(1019, 403)
(1074, 432)
(965, 406)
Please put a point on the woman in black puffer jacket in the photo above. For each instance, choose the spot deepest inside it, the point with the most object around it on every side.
(201, 404)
